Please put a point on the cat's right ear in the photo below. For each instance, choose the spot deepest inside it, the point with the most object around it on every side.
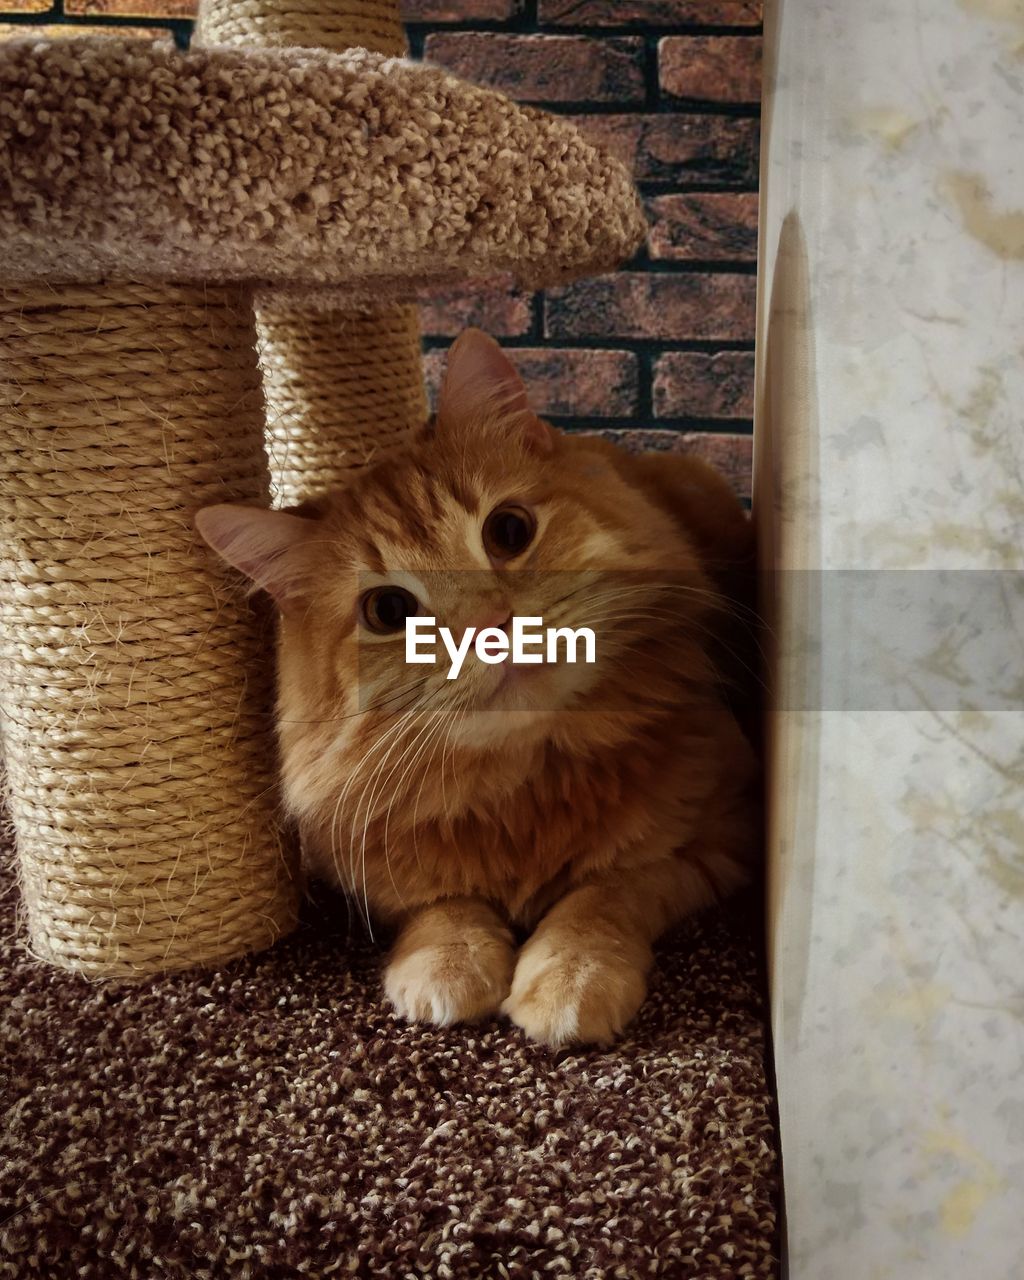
(270, 547)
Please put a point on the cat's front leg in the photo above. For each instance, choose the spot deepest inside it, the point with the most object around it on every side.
(452, 962)
(582, 975)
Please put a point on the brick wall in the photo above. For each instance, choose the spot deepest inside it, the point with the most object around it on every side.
(671, 86)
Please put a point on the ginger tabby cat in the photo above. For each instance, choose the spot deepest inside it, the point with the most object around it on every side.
(582, 807)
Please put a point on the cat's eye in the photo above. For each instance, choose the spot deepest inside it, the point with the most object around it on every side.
(385, 609)
(508, 531)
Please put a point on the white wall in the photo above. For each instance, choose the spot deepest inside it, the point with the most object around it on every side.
(889, 458)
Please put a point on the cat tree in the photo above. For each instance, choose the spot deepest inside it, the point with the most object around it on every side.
(158, 209)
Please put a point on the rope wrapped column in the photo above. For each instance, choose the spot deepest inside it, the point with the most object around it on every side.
(341, 386)
(134, 682)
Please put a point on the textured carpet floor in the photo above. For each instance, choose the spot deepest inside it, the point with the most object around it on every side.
(272, 1119)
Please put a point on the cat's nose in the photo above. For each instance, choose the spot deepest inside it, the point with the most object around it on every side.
(499, 618)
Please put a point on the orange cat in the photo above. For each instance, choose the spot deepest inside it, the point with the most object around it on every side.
(590, 804)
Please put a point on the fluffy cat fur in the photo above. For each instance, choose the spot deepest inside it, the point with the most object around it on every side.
(583, 808)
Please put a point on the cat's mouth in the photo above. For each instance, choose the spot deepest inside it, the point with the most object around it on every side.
(514, 680)
(507, 686)
(518, 686)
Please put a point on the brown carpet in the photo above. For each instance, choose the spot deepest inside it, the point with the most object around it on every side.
(273, 1119)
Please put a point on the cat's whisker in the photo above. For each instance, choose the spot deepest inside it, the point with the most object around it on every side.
(395, 695)
(618, 597)
(586, 586)
(372, 790)
(433, 732)
(350, 881)
(425, 733)
(409, 694)
(746, 616)
(437, 740)
(718, 596)
(690, 623)
(460, 715)
(390, 737)
(336, 852)
(653, 586)
(669, 621)
(654, 610)
(612, 620)
(397, 739)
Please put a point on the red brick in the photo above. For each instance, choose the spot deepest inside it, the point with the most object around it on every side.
(680, 149)
(711, 68)
(459, 10)
(634, 304)
(500, 309)
(730, 454)
(545, 68)
(690, 384)
(134, 8)
(79, 31)
(576, 384)
(718, 227)
(664, 13)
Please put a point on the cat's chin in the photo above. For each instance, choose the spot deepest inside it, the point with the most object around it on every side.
(522, 706)
(500, 726)
(524, 695)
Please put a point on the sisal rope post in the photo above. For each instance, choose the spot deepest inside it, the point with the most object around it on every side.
(341, 386)
(343, 391)
(325, 24)
(134, 685)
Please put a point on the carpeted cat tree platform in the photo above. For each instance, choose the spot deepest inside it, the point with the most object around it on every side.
(208, 262)
(273, 1119)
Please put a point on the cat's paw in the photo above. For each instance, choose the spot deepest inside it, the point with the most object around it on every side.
(567, 993)
(454, 981)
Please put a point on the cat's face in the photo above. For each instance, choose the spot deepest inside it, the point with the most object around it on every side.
(488, 515)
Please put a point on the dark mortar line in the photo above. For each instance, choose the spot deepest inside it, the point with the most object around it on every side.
(58, 15)
(667, 104)
(645, 383)
(653, 30)
(537, 317)
(416, 33)
(633, 345)
(636, 106)
(650, 62)
(692, 267)
(675, 426)
(528, 23)
(671, 187)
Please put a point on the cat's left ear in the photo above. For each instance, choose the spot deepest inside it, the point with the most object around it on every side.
(270, 547)
(481, 383)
